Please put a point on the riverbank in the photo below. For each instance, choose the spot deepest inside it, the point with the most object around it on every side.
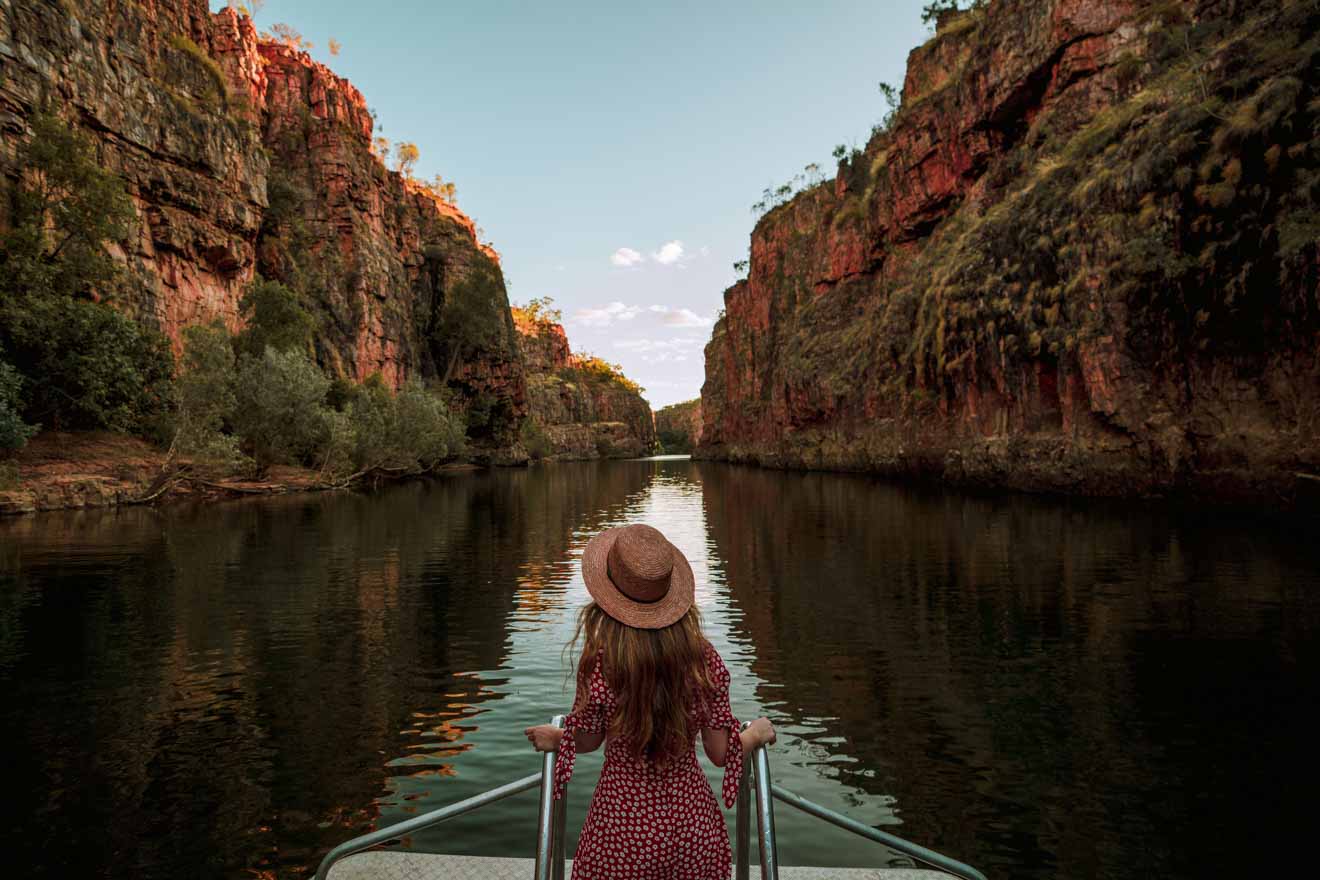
(70, 471)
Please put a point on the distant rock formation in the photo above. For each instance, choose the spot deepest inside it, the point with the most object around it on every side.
(582, 407)
(678, 426)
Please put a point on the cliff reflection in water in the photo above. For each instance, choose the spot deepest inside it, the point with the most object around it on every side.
(1046, 690)
(1042, 689)
(200, 692)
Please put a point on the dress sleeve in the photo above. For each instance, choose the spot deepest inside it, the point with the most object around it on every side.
(720, 717)
(587, 717)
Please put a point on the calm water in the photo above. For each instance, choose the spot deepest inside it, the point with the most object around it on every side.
(1042, 689)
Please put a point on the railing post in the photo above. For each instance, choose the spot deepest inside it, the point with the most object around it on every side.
(561, 816)
(765, 815)
(545, 826)
(743, 820)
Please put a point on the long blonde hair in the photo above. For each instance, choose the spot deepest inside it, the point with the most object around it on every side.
(657, 676)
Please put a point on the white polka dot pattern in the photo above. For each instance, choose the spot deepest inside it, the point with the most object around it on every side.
(647, 822)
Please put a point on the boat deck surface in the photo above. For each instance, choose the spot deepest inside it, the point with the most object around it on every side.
(424, 866)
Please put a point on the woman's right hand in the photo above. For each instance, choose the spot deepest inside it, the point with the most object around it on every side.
(763, 730)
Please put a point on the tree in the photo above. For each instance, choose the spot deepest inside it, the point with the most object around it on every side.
(85, 364)
(289, 36)
(441, 189)
(275, 319)
(892, 100)
(410, 431)
(334, 46)
(279, 409)
(14, 432)
(406, 155)
(933, 11)
(65, 211)
(205, 393)
(839, 151)
(471, 320)
(541, 310)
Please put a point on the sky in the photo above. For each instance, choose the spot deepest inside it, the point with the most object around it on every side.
(611, 151)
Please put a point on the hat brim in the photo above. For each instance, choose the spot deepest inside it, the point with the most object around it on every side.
(665, 611)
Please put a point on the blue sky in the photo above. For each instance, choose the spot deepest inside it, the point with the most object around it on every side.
(611, 151)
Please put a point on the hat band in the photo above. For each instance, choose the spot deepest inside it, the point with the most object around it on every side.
(635, 588)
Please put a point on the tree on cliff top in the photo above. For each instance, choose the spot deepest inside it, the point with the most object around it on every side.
(406, 155)
(540, 310)
(932, 12)
(289, 36)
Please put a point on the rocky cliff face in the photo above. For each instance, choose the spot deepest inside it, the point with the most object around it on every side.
(1082, 258)
(678, 426)
(244, 156)
(583, 410)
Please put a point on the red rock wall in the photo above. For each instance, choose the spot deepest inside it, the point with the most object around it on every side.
(1056, 271)
(679, 426)
(582, 414)
(194, 166)
(377, 260)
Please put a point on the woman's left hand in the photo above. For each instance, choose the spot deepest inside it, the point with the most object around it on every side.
(544, 737)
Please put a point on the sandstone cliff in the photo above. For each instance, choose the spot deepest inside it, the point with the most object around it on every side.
(678, 426)
(582, 406)
(1083, 258)
(244, 156)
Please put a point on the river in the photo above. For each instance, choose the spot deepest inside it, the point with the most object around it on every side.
(1038, 687)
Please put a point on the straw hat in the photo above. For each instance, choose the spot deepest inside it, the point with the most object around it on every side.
(637, 577)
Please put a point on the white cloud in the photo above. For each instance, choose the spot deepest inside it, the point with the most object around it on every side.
(679, 317)
(659, 351)
(685, 318)
(626, 256)
(670, 252)
(606, 314)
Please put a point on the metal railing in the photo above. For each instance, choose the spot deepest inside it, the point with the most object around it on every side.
(550, 831)
(550, 826)
(767, 792)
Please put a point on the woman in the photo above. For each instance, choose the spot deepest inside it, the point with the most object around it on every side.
(648, 683)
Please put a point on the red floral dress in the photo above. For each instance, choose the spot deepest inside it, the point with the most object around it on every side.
(648, 823)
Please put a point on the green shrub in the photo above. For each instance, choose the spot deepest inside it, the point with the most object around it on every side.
(205, 395)
(14, 432)
(533, 438)
(65, 211)
(218, 91)
(87, 365)
(276, 318)
(279, 407)
(411, 431)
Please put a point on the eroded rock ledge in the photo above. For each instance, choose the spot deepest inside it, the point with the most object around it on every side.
(582, 410)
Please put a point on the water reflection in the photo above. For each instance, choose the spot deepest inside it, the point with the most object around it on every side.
(1048, 689)
(1042, 689)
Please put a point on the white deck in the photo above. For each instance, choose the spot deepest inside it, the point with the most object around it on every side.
(423, 866)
